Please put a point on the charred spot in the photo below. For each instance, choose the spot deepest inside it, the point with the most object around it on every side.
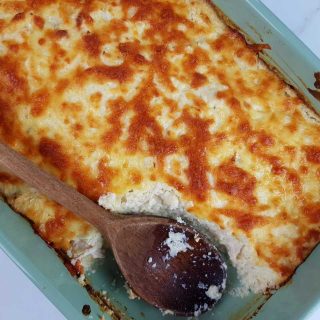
(198, 57)
(257, 140)
(143, 12)
(244, 127)
(39, 102)
(317, 83)
(312, 154)
(62, 85)
(315, 93)
(248, 222)
(167, 13)
(36, 4)
(77, 129)
(144, 126)
(266, 140)
(244, 220)
(14, 48)
(222, 95)
(191, 62)
(135, 177)
(259, 47)
(198, 80)
(86, 185)
(38, 21)
(41, 41)
(7, 120)
(303, 169)
(92, 44)
(10, 80)
(18, 17)
(117, 27)
(195, 144)
(130, 50)
(7, 178)
(236, 182)
(161, 65)
(313, 235)
(53, 153)
(86, 310)
(61, 34)
(229, 39)
(96, 97)
(293, 177)
(290, 150)
(83, 17)
(105, 173)
(55, 226)
(120, 73)
(278, 170)
(312, 212)
(118, 108)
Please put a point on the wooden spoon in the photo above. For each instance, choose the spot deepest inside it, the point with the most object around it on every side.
(167, 264)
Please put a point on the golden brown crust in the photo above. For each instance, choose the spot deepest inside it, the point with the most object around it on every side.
(112, 96)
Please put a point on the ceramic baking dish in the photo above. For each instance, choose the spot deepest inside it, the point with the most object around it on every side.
(295, 300)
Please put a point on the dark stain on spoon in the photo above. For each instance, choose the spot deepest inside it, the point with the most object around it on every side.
(313, 92)
(317, 83)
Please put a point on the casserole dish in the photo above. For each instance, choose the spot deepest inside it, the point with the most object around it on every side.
(240, 307)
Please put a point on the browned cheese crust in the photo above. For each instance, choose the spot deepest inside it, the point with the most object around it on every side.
(114, 95)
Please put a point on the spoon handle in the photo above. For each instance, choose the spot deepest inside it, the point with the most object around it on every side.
(53, 188)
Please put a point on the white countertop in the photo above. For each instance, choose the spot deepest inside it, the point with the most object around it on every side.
(18, 295)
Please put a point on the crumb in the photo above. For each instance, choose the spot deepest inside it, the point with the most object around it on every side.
(82, 279)
(86, 310)
(104, 293)
(131, 294)
(239, 292)
(166, 312)
(179, 220)
(196, 237)
(213, 292)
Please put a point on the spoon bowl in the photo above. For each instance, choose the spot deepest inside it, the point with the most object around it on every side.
(169, 264)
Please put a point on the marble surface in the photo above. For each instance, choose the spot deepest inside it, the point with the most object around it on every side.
(18, 296)
(302, 17)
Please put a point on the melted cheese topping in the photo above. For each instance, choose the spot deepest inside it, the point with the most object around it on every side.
(113, 95)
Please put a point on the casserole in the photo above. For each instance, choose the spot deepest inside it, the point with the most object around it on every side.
(242, 301)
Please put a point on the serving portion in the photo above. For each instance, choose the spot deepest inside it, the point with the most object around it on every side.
(159, 107)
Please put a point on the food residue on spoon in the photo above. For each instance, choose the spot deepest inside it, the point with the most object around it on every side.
(177, 242)
(179, 220)
(214, 292)
(199, 309)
